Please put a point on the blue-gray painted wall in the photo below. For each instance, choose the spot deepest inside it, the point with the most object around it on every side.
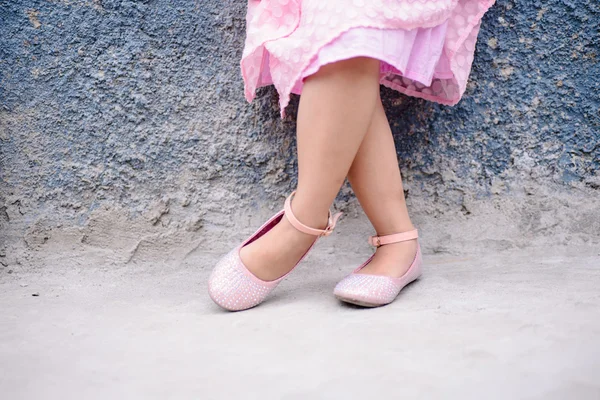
(119, 103)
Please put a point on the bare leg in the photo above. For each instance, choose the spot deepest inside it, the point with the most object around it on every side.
(376, 181)
(336, 108)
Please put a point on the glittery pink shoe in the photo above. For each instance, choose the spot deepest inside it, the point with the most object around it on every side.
(233, 287)
(377, 290)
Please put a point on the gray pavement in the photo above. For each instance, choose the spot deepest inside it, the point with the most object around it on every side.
(514, 325)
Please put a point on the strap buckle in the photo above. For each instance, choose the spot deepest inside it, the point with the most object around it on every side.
(375, 241)
(332, 220)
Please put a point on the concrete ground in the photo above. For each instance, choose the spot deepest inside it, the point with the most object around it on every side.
(512, 325)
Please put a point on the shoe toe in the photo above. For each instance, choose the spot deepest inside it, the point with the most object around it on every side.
(366, 290)
(234, 288)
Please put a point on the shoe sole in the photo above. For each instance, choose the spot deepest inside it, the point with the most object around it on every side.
(359, 302)
(371, 305)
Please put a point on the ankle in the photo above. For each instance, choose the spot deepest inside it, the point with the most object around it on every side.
(290, 230)
(398, 251)
(312, 219)
(396, 228)
(309, 214)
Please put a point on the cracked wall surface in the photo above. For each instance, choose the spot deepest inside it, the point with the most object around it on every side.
(123, 125)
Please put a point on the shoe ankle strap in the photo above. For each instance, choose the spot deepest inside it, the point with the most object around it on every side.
(393, 238)
(331, 220)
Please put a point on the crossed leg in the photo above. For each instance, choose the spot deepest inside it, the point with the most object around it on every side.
(335, 112)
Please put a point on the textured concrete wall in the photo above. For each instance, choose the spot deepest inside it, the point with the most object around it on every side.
(135, 110)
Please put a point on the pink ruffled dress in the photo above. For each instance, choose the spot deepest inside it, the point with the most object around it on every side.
(426, 47)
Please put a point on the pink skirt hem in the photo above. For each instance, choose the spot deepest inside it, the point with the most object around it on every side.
(430, 56)
(414, 54)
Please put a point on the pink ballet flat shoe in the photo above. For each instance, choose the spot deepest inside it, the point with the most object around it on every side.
(375, 290)
(233, 287)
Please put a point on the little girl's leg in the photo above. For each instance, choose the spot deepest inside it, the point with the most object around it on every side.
(336, 108)
(376, 181)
